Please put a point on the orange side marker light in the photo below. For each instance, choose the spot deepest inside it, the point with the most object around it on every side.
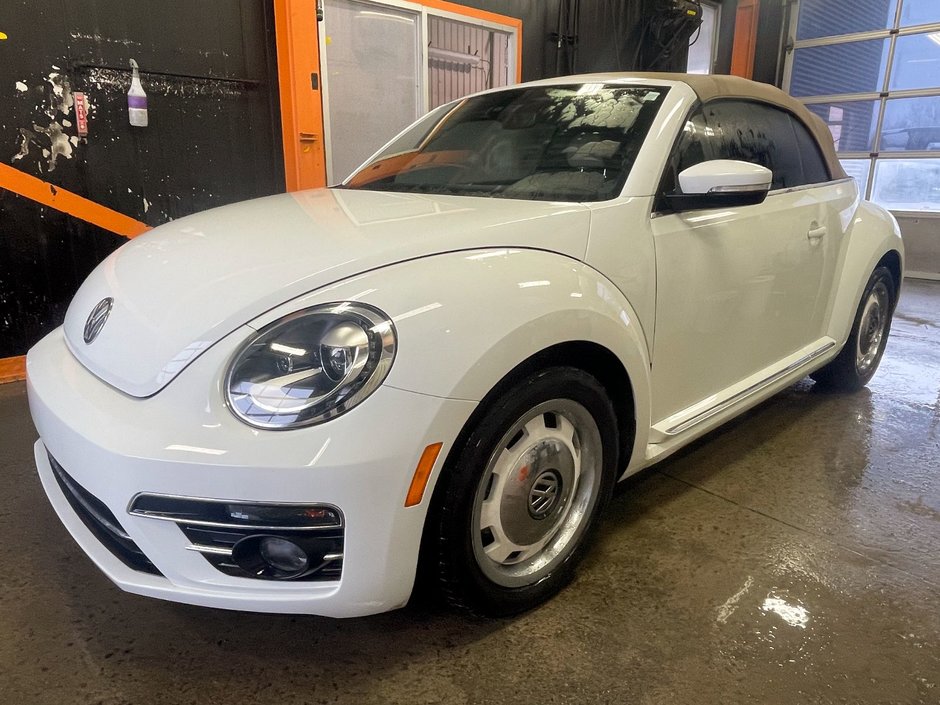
(422, 474)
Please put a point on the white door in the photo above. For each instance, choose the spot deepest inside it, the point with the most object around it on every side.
(372, 79)
(738, 289)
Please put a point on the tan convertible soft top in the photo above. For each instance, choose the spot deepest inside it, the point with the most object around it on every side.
(707, 87)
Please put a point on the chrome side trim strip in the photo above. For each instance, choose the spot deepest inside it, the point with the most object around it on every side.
(750, 391)
(792, 189)
(805, 187)
(218, 550)
(223, 525)
(333, 557)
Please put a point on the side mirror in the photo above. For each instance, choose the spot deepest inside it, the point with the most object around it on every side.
(720, 183)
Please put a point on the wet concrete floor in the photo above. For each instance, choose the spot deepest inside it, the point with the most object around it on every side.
(791, 557)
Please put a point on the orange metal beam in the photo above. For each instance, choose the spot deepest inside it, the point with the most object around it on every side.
(745, 38)
(12, 369)
(15, 181)
(298, 61)
(47, 194)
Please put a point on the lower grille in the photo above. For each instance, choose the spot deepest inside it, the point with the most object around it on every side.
(229, 533)
(101, 522)
(216, 545)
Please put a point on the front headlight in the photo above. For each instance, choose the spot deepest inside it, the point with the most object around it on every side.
(310, 366)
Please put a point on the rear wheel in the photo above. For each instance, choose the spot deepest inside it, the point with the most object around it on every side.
(524, 492)
(859, 359)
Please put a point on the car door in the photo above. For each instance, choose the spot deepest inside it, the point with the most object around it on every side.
(836, 204)
(738, 289)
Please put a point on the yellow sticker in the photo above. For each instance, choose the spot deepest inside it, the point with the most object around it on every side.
(329, 40)
(3, 35)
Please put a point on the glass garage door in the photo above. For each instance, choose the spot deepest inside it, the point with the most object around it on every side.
(871, 70)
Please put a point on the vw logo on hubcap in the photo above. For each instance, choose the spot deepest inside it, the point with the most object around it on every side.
(96, 319)
(544, 494)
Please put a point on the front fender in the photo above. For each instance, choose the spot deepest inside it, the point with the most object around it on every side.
(873, 234)
(466, 319)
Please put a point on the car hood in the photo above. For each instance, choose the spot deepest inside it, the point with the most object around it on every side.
(185, 285)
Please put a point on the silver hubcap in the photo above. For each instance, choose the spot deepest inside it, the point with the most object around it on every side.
(537, 493)
(872, 328)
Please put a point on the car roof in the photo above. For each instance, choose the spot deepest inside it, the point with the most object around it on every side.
(712, 86)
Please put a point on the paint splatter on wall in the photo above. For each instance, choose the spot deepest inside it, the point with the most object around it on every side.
(51, 139)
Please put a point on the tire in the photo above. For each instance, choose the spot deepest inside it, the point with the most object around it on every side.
(857, 362)
(516, 506)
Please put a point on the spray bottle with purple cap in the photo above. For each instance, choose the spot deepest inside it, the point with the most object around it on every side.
(136, 100)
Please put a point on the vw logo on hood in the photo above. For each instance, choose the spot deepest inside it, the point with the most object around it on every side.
(96, 319)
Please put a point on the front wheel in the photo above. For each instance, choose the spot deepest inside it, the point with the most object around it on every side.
(524, 491)
(859, 359)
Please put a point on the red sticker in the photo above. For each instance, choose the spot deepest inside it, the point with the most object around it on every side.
(81, 114)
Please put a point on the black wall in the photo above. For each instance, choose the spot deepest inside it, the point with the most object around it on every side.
(610, 35)
(209, 69)
(209, 72)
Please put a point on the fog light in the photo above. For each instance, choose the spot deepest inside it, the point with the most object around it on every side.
(271, 557)
(283, 555)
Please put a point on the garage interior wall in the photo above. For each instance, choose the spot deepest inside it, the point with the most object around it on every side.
(214, 135)
(767, 62)
(611, 35)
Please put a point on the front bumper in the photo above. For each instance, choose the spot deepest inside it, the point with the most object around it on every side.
(183, 441)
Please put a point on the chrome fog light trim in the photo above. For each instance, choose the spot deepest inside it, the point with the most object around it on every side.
(234, 514)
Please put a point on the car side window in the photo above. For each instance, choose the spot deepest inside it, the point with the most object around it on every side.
(756, 133)
(690, 149)
(815, 170)
(751, 132)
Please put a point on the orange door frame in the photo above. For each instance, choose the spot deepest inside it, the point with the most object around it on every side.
(299, 80)
(12, 369)
(745, 38)
(298, 72)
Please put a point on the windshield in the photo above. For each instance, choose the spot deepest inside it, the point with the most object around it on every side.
(552, 143)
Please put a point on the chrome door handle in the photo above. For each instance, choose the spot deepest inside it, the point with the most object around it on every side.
(816, 233)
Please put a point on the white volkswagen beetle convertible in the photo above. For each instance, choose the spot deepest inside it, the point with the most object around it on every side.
(290, 404)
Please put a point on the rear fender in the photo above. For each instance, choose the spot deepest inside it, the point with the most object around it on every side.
(873, 234)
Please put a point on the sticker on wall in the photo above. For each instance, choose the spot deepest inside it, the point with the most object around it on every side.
(81, 113)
